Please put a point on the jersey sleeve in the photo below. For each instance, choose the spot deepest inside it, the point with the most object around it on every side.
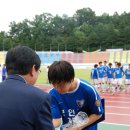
(125, 72)
(94, 102)
(54, 108)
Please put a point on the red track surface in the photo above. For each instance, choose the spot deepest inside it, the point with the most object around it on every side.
(117, 108)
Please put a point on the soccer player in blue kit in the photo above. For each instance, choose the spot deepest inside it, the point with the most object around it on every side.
(71, 96)
(94, 76)
(127, 78)
(119, 73)
(110, 76)
(101, 73)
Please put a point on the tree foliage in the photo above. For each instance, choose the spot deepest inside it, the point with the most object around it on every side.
(83, 31)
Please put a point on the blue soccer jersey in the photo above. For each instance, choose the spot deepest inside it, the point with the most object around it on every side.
(94, 74)
(105, 67)
(101, 71)
(110, 72)
(118, 73)
(127, 73)
(83, 98)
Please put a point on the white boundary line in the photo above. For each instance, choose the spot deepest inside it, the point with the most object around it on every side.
(117, 107)
(114, 124)
(118, 114)
(116, 101)
(115, 97)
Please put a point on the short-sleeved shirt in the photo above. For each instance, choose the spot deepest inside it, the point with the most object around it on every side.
(118, 73)
(105, 67)
(101, 72)
(84, 98)
(110, 72)
(127, 73)
(4, 71)
(94, 74)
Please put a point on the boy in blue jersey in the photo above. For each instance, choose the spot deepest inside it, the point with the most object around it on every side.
(71, 96)
(101, 74)
(127, 79)
(94, 76)
(118, 78)
(105, 67)
(4, 72)
(110, 75)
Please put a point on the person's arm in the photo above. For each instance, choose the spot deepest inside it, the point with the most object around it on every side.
(97, 73)
(95, 106)
(123, 72)
(56, 113)
(91, 74)
(43, 120)
(57, 122)
(92, 118)
(114, 75)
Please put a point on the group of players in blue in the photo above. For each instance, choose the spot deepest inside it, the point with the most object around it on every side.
(110, 79)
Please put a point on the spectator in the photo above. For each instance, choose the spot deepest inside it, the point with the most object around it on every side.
(4, 72)
(23, 106)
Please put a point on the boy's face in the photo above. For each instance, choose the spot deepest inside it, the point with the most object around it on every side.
(110, 66)
(62, 87)
(100, 64)
(116, 64)
(105, 63)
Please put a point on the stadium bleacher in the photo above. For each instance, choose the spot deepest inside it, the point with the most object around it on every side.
(80, 58)
(118, 56)
(124, 57)
(85, 58)
(2, 57)
(128, 58)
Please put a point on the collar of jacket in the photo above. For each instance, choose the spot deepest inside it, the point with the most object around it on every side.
(16, 77)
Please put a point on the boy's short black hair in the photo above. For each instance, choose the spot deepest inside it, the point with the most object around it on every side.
(60, 71)
(20, 60)
(118, 64)
(96, 65)
(100, 62)
(110, 64)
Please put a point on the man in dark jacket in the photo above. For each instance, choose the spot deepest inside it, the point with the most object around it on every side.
(23, 106)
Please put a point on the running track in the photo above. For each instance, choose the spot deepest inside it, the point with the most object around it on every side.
(117, 108)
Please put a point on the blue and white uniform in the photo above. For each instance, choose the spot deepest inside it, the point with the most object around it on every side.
(94, 76)
(110, 75)
(83, 98)
(118, 76)
(127, 76)
(101, 74)
(105, 68)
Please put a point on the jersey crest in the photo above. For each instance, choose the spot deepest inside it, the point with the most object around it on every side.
(80, 103)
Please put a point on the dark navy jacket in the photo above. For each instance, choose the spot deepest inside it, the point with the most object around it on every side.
(23, 106)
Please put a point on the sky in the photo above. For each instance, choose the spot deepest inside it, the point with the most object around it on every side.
(18, 10)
